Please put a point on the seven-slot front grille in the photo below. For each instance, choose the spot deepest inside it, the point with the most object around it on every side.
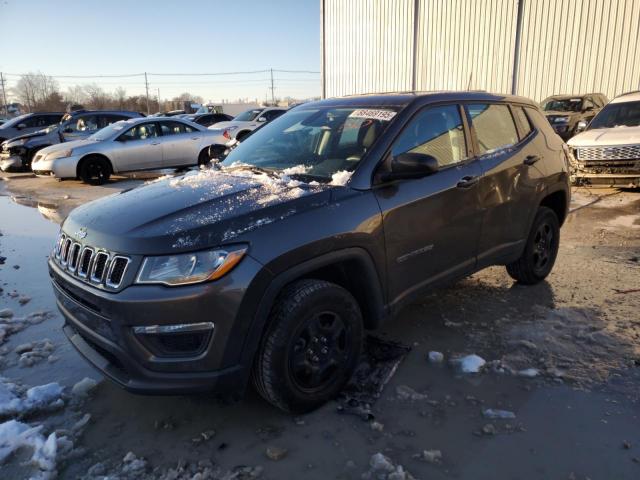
(91, 265)
(614, 152)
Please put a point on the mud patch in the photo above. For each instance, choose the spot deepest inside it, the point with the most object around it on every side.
(570, 343)
(379, 362)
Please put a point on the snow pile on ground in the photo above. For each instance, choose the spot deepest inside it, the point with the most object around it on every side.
(469, 364)
(43, 397)
(15, 435)
(382, 468)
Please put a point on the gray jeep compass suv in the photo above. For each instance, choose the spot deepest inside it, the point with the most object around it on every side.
(271, 265)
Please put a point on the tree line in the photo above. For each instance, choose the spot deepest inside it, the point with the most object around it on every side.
(37, 92)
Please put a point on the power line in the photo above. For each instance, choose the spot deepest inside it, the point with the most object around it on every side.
(179, 74)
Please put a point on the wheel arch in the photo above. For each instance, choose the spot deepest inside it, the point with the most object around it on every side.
(351, 268)
(557, 201)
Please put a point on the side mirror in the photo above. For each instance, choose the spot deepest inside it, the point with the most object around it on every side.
(582, 125)
(20, 126)
(262, 119)
(411, 165)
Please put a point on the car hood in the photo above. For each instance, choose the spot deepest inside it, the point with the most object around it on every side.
(29, 135)
(66, 146)
(559, 113)
(606, 136)
(198, 210)
(223, 125)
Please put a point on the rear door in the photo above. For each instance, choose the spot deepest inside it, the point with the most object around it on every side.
(510, 159)
(180, 143)
(432, 224)
(139, 148)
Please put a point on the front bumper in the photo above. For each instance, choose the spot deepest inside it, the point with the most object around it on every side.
(605, 173)
(100, 325)
(65, 167)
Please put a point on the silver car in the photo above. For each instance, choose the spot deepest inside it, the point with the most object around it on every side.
(129, 145)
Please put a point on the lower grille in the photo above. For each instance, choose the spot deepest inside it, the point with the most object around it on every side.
(614, 152)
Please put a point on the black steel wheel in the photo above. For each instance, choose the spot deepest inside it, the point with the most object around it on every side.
(541, 249)
(311, 347)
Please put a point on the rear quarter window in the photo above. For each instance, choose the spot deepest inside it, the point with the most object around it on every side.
(525, 124)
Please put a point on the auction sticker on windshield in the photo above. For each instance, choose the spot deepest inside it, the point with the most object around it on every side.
(373, 114)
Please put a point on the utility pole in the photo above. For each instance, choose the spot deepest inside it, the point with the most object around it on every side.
(273, 96)
(146, 84)
(4, 95)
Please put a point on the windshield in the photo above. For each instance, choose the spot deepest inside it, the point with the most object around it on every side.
(323, 140)
(625, 114)
(108, 132)
(563, 105)
(249, 115)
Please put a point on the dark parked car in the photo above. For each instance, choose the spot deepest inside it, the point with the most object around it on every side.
(208, 119)
(18, 153)
(570, 114)
(317, 227)
(27, 123)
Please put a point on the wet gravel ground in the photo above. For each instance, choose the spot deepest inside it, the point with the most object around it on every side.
(562, 356)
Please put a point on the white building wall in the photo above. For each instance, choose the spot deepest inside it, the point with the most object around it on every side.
(566, 46)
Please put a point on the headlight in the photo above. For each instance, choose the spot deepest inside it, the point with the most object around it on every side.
(188, 268)
(561, 120)
(60, 154)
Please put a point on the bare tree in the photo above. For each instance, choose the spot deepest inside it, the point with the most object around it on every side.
(34, 90)
(120, 96)
(96, 96)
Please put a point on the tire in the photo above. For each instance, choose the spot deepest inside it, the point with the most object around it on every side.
(203, 158)
(95, 171)
(541, 249)
(242, 135)
(311, 346)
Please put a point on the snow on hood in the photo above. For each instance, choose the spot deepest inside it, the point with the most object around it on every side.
(198, 210)
(606, 136)
(39, 133)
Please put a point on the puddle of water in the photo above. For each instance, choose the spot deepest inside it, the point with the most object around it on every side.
(27, 239)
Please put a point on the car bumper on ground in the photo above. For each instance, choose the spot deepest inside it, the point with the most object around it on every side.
(102, 327)
(10, 163)
(60, 167)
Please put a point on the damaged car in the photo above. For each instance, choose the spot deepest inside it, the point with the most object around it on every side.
(269, 266)
(17, 154)
(607, 154)
(570, 114)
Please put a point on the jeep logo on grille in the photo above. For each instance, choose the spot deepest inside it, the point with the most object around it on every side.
(82, 233)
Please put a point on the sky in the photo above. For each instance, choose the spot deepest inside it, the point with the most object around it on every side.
(71, 37)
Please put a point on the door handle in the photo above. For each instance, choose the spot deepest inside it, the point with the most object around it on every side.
(468, 181)
(531, 159)
(155, 143)
(195, 138)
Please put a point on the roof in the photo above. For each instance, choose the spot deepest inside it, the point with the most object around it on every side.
(627, 97)
(402, 99)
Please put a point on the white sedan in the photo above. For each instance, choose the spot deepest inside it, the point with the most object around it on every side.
(125, 146)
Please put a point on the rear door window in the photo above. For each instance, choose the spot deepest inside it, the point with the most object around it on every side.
(140, 132)
(435, 131)
(494, 127)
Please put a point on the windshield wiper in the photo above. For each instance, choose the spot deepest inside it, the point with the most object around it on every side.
(252, 168)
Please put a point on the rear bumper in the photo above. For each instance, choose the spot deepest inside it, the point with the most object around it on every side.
(100, 325)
